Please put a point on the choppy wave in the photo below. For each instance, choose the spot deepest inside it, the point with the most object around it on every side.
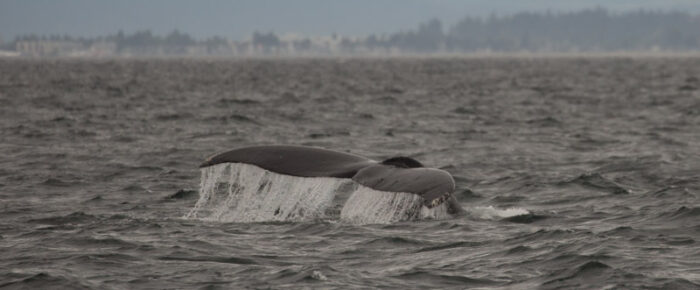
(99, 164)
(42, 280)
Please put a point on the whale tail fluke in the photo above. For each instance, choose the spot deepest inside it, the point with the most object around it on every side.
(420, 186)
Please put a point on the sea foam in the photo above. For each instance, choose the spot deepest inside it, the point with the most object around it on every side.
(492, 213)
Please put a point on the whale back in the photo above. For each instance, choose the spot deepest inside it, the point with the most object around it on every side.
(299, 161)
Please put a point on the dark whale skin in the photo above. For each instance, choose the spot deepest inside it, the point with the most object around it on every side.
(433, 185)
(299, 161)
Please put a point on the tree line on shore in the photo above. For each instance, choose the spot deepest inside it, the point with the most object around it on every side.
(593, 30)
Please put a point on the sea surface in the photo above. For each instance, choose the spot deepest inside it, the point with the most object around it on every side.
(575, 172)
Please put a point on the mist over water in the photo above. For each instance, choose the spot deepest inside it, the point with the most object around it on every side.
(574, 172)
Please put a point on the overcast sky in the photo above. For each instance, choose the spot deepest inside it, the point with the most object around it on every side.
(239, 19)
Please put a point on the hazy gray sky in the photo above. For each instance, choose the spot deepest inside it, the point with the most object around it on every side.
(239, 19)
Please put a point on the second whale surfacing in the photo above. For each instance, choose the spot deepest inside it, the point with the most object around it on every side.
(395, 189)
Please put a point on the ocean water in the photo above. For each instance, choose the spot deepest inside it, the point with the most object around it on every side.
(574, 172)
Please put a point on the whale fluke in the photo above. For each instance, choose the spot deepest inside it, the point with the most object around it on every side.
(397, 174)
(295, 160)
(433, 185)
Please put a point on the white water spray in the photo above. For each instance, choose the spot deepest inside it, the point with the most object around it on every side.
(236, 192)
(369, 206)
(492, 213)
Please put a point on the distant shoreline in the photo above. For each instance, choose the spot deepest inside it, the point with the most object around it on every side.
(518, 55)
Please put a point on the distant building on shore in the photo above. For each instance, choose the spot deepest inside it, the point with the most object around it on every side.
(43, 48)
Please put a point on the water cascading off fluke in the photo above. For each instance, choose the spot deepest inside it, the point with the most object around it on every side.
(237, 192)
(369, 206)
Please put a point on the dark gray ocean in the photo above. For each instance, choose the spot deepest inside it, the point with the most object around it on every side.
(99, 167)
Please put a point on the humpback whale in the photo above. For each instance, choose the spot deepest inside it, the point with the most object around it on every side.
(398, 174)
